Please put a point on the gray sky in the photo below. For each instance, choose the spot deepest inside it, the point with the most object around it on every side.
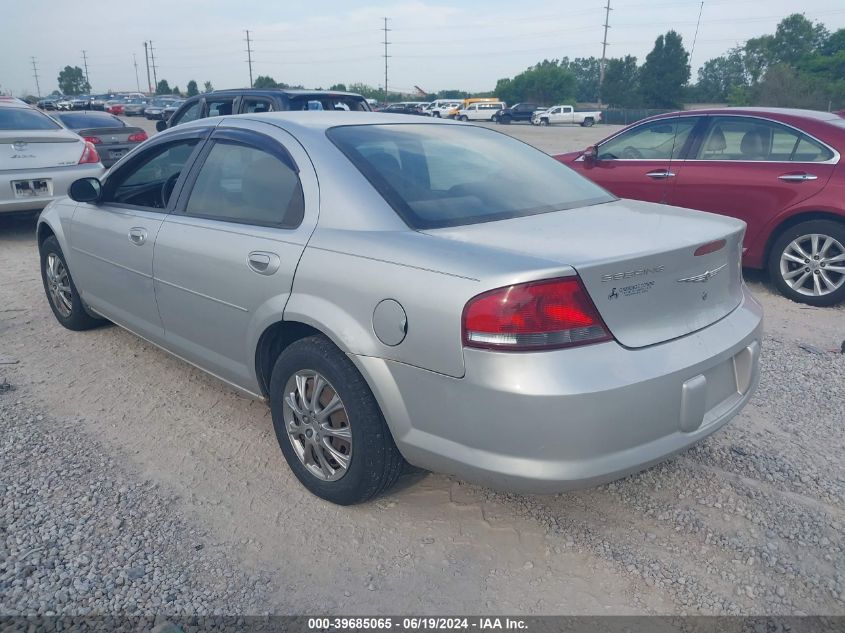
(434, 44)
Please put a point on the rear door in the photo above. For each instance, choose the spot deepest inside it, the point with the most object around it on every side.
(643, 162)
(225, 258)
(112, 242)
(751, 168)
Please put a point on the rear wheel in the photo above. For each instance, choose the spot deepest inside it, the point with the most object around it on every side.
(807, 262)
(587, 123)
(329, 425)
(61, 291)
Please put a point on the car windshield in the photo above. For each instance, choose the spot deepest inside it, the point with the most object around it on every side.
(437, 176)
(90, 120)
(25, 119)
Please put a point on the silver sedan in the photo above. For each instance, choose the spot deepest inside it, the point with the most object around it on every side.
(417, 291)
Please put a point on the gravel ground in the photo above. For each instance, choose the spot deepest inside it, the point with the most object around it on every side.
(81, 534)
(119, 460)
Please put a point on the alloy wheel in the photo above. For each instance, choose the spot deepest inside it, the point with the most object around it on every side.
(58, 284)
(317, 425)
(813, 264)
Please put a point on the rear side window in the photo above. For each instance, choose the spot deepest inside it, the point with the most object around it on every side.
(755, 139)
(25, 119)
(436, 176)
(344, 103)
(243, 184)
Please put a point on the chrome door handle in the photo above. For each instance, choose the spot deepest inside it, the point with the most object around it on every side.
(137, 235)
(798, 177)
(660, 174)
(263, 263)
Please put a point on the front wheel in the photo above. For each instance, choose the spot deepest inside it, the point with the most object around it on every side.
(807, 262)
(61, 291)
(464, 118)
(544, 122)
(329, 425)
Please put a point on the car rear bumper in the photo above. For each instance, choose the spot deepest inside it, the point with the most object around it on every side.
(560, 420)
(61, 178)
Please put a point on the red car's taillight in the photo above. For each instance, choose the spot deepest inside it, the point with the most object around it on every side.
(89, 154)
(138, 137)
(532, 316)
(94, 140)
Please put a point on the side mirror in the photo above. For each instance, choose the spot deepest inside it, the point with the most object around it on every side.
(591, 154)
(161, 125)
(85, 190)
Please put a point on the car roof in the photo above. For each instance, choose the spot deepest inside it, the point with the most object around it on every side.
(280, 91)
(775, 113)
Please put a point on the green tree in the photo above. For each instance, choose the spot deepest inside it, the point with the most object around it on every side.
(451, 94)
(718, 76)
(795, 38)
(587, 71)
(621, 83)
(264, 82)
(339, 87)
(163, 88)
(192, 88)
(72, 81)
(784, 87)
(665, 72)
(207, 87)
(545, 83)
(176, 91)
(835, 43)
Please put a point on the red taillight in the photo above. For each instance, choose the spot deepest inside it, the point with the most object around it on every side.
(94, 140)
(138, 137)
(537, 315)
(89, 154)
(711, 247)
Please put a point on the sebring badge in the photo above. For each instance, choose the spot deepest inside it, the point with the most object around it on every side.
(704, 277)
(19, 145)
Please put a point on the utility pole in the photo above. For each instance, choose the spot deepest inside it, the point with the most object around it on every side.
(249, 57)
(385, 29)
(137, 81)
(85, 62)
(35, 74)
(604, 47)
(153, 61)
(147, 57)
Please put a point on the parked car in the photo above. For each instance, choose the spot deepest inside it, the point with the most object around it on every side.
(413, 289)
(516, 113)
(40, 159)
(98, 102)
(80, 102)
(48, 103)
(223, 102)
(64, 103)
(134, 107)
(155, 108)
(483, 111)
(115, 106)
(110, 135)
(170, 108)
(566, 114)
(778, 170)
(440, 110)
(402, 108)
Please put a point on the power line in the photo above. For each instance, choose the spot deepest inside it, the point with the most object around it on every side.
(697, 24)
(85, 62)
(249, 57)
(147, 57)
(604, 48)
(385, 29)
(35, 74)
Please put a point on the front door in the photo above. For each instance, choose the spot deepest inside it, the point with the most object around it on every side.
(112, 241)
(642, 162)
(225, 258)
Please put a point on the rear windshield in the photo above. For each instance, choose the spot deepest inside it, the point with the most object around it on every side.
(25, 119)
(90, 120)
(345, 103)
(436, 176)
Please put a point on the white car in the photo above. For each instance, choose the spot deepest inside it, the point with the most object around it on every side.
(39, 159)
(481, 111)
(565, 114)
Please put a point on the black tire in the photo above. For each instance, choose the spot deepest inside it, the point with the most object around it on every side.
(505, 120)
(587, 123)
(78, 319)
(544, 122)
(464, 118)
(827, 228)
(375, 462)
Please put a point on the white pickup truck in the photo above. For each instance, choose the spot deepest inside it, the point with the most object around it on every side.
(565, 114)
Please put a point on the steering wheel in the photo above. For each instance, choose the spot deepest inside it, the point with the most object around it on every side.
(631, 152)
(167, 188)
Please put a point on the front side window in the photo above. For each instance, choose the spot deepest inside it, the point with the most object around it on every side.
(437, 176)
(657, 140)
(149, 180)
(243, 184)
(191, 113)
(754, 139)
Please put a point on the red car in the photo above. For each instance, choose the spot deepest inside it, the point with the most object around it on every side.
(115, 108)
(779, 170)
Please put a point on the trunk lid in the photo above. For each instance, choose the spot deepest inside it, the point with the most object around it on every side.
(636, 260)
(38, 149)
